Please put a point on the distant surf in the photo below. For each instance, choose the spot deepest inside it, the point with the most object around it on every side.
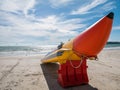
(112, 45)
(25, 50)
(38, 50)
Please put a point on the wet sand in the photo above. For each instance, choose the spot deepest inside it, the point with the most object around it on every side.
(27, 73)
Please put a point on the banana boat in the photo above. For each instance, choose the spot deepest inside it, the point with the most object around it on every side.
(86, 45)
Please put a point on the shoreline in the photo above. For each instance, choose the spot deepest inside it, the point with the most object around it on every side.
(42, 55)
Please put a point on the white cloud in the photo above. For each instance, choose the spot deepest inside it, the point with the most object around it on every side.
(17, 24)
(60, 3)
(17, 6)
(29, 6)
(52, 27)
(70, 25)
(108, 6)
(49, 23)
(85, 8)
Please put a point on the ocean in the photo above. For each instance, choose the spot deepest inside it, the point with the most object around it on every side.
(37, 50)
(26, 50)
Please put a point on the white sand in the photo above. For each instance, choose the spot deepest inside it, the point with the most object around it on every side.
(105, 73)
(26, 73)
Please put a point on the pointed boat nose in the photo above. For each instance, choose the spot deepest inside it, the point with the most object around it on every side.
(91, 41)
(110, 15)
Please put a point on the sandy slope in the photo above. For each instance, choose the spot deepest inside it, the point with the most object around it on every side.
(26, 73)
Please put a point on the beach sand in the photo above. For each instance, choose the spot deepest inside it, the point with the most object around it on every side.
(27, 73)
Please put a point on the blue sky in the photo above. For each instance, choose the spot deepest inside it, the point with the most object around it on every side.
(42, 22)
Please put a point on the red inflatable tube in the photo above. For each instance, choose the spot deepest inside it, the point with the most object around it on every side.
(91, 41)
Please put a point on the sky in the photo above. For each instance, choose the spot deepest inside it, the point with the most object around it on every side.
(47, 22)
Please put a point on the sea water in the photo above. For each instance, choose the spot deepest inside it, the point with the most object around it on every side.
(112, 46)
(25, 50)
(36, 50)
